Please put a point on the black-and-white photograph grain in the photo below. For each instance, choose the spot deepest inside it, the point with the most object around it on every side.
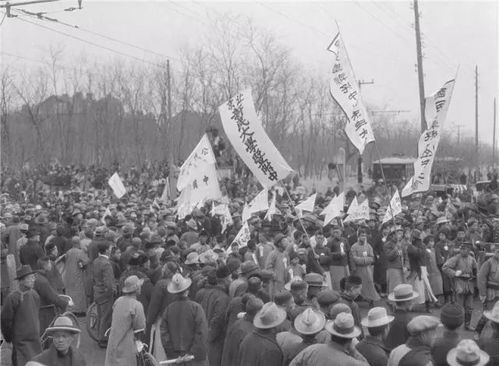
(249, 183)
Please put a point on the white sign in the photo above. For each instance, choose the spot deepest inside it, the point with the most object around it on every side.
(394, 209)
(345, 91)
(260, 202)
(201, 155)
(246, 133)
(436, 107)
(117, 185)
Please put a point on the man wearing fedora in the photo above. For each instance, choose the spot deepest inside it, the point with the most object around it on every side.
(339, 351)
(463, 269)
(416, 351)
(402, 296)
(260, 348)
(372, 347)
(31, 251)
(128, 324)
(19, 318)
(61, 352)
(468, 353)
(394, 252)
(308, 324)
(491, 344)
(184, 329)
(278, 263)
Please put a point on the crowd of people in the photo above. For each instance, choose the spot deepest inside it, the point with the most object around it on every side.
(290, 295)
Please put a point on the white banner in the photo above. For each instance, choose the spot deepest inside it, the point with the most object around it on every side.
(246, 133)
(200, 156)
(246, 213)
(243, 236)
(334, 208)
(345, 91)
(358, 212)
(201, 189)
(117, 185)
(394, 209)
(436, 107)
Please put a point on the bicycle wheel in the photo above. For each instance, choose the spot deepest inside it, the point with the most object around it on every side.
(92, 322)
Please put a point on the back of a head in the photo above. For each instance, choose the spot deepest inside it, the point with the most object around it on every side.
(452, 316)
(102, 247)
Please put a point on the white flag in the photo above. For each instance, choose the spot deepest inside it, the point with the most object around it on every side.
(308, 204)
(117, 185)
(358, 211)
(200, 156)
(246, 213)
(436, 107)
(260, 202)
(345, 91)
(249, 139)
(334, 209)
(394, 209)
(272, 209)
(243, 236)
(204, 187)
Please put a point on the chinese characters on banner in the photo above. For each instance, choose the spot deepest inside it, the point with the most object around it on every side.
(394, 209)
(117, 185)
(246, 133)
(358, 211)
(436, 107)
(201, 155)
(345, 91)
(243, 236)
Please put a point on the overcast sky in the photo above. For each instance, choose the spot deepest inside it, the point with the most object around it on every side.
(379, 37)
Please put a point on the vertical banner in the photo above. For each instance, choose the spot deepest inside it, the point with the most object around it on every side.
(249, 139)
(200, 156)
(436, 107)
(117, 185)
(394, 209)
(345, 91)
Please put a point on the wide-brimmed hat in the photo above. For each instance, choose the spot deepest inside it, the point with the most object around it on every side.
(192, 258)
(377, 317)
(208, 256)
(132, 284)
(178, 284)
(24, 271)
(467, 353)
(270, 316)
(63, 323)
(493, 315)
(402, 292)
(343, 326)
(310, 322)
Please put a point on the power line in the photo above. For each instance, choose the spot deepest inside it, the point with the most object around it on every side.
(91, 43)
(43, 17)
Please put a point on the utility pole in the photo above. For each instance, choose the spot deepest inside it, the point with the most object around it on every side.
(494, 142)
(359, 160)
(459, 133)
(476, 114)
(420, 66)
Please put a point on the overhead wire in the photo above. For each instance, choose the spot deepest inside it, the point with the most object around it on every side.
(43, 17)
(91, 43)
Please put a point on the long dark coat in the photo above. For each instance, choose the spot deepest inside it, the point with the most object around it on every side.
(398, 333)
(259, 348)
(235, 335)
(184, 329)
(50, 302)
(215, 301)
(20, 325)
(373, 350)
(442, 345)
